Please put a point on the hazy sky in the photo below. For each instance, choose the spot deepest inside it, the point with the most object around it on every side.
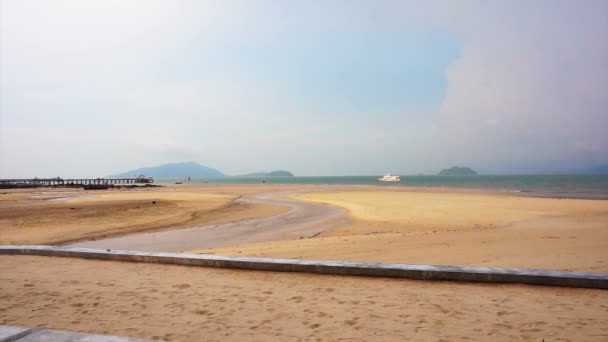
(91, 88)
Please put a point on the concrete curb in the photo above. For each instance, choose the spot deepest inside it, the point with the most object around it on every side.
(12, 333)
(416, 272)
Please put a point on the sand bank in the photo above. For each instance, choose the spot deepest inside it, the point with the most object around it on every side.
(400, 211)
(302, 220)
(30, 217)
(454, 229)
(426, 226)
(193, 304)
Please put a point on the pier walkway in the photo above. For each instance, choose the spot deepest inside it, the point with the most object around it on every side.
(35, 182)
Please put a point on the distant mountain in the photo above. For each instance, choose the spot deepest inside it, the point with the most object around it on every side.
(457, 171)
(278, 173)
(178, 170)
(602, 169)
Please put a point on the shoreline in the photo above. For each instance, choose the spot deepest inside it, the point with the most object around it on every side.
(551, 186)
(422, 188)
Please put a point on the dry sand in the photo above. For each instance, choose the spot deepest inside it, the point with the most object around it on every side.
(454, 229)
(28, 217)
(181, 303)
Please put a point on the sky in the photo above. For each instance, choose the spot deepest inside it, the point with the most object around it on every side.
(93, 88)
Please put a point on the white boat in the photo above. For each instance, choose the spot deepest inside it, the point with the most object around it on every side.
(388, 178)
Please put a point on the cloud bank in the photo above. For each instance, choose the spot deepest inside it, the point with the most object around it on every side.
(529, 90)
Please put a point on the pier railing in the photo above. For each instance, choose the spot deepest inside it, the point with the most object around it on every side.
(28, 182)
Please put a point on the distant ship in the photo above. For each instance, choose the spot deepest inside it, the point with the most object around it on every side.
(388, 178)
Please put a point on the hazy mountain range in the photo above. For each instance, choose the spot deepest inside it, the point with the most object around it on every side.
(196, 170)
(278, 173)
(602, 169)
(189, 169)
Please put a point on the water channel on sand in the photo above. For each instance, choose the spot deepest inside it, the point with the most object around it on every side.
(303, 219)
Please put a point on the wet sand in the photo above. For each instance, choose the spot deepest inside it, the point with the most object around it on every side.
(61, 216)
(302, 220)
(179, 303)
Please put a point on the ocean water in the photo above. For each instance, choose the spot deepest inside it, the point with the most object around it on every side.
(566, 186)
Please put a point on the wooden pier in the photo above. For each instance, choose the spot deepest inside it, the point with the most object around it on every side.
(78, 182)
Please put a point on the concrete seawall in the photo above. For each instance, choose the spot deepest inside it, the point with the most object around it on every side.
(405, 271)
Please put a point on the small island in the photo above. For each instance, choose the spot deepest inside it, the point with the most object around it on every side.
(457, 171)
(278, 173)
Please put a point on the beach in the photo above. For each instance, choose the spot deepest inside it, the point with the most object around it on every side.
(448, 227)
(59, 216)
(178, 303)
(304, 170)
(374, 224)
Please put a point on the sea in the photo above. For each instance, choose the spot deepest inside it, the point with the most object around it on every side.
(561, 186)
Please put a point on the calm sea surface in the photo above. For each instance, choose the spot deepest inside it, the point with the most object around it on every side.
(579, 186)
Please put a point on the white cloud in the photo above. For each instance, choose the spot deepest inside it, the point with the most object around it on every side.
(531, 83)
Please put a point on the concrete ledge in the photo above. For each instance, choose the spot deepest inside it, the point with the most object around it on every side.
(416, 272)
(11, 333)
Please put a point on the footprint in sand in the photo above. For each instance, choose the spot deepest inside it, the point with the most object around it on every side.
(297, 299)
(203, 312)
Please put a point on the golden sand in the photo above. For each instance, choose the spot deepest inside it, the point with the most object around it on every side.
(179, 303)
(454, 229)
(400, 211)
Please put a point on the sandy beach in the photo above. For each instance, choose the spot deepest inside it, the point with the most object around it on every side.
(260, 170)
(403, 225)
(60, 216)
(180, 303)
(427, 226)
(400, 225)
